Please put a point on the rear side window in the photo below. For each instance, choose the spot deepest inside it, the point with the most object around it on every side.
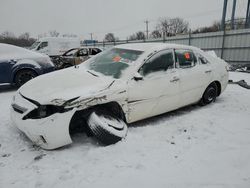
(83, 52)
(185, 58)
(94, 51)
(202, 59)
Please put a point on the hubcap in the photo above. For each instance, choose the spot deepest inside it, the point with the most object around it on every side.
(211, 94)
(25, 77)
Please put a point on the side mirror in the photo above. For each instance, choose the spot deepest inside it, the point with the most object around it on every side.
(138, 77)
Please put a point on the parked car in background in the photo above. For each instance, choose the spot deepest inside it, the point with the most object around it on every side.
(19, 65)
(75, 56)
(55, 46)
(122, 85)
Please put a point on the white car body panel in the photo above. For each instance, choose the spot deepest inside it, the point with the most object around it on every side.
(142, 102)
(193, 82)
(155, 94)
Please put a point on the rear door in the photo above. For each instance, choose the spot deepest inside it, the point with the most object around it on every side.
(194, 76)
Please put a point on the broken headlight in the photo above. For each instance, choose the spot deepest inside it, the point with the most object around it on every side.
(44, 111)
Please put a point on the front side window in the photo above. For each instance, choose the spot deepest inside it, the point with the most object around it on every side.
(185, 58)
(160, 62)
(113, 61)
(43, 45)
(34, 45)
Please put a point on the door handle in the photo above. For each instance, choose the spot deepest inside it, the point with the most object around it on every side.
(175, 79)
(208, 71)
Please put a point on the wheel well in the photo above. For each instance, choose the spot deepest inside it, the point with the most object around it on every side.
(14, 77)
(218, 87)
(67, 65)
(79, 119)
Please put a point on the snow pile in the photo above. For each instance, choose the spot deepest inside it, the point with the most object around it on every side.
(192, 147)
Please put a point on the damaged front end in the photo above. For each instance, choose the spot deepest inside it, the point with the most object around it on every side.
(45, 125)
(43, 111)
(51, 115)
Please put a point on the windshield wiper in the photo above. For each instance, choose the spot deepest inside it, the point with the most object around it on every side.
(93, 74)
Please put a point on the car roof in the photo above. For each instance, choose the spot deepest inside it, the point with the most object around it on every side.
(8, 51)
(84, 47)
(153, 46)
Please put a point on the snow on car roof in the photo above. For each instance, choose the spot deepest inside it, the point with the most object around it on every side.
(152, 46)
(8, 51)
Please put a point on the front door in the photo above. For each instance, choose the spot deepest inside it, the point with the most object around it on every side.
(158, 91)
(5, 71)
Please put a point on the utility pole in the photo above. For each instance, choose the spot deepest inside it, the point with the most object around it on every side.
(146, 27)
(233, 15)
(91, 36)
(224, 15)
(247, 22)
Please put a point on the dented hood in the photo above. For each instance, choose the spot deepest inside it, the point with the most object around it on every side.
(64, 85)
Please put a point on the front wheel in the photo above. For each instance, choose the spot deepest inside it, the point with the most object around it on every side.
(24, 76)
(209, 95)
(107, 128)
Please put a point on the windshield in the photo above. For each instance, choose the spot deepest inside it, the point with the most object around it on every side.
(113, 61)
(34, 45)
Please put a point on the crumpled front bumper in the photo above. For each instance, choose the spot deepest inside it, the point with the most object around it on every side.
(50, 132)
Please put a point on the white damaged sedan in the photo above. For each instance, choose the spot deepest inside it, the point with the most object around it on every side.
(119, 86)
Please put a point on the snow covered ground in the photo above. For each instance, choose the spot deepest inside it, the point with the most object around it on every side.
(191, 147)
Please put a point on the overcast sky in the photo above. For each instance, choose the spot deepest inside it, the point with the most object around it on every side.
(121, 17)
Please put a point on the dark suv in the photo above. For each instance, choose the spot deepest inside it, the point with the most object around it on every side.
(19, 65)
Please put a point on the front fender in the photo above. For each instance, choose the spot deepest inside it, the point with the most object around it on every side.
(25, 64)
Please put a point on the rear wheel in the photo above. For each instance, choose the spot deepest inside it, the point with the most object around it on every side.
(24, 76)
(107, 128)
(209, 95)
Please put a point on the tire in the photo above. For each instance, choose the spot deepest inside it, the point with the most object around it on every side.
(107, 128)
(24, 76)
(209, 95)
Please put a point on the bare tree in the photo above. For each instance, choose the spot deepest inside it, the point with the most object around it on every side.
(7, 34)
(132, 37)
(172, 26)
(42, 35)
(71, 35)
(54, 33)
(212, 28)
(24, 40)
(140, 35)
(137, 36)
(24, 36)
(156, 34)
(110, 37)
